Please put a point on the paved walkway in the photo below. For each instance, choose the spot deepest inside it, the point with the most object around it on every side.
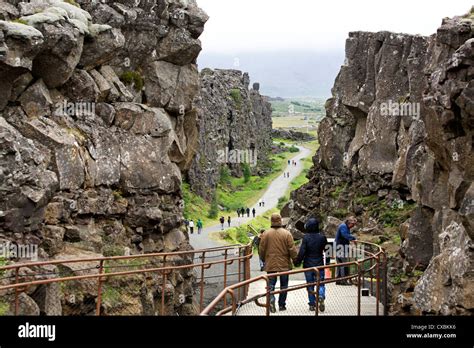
(275, 190)
(340, 301)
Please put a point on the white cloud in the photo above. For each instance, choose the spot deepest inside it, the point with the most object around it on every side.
(262, 25)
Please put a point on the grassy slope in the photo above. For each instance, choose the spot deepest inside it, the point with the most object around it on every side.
(236, 195)
(237, 235)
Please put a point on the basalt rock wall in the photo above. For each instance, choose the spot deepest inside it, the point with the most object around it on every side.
(397, 151)
(235, 127)
(97, 125)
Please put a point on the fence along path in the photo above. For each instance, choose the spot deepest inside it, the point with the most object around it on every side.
(367, 295)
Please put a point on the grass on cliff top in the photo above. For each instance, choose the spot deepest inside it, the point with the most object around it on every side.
(236, 96)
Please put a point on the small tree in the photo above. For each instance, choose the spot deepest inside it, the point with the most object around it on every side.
(224, 176)
(214, 210)
(247, 172)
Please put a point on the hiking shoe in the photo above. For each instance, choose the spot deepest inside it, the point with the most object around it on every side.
(282, 308)
(272, 308)
(312, 308)
(322, 306)
(343, 283)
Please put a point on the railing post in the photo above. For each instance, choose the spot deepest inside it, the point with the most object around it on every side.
(268, 297)
(201, 295)
(249, 253)
(377, 296)
(371, 274)
(234, 305)
(239, 261)
(318, 284)
(17, 292)
(385, 266)
(163, 287)
(225, 276)
(99, 288)
(358, 287)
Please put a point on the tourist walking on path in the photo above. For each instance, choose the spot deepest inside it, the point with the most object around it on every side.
(238, 212)
(343, 239)
(253, 212)
(248, 212)
(312, 255)
(277, 250)
(191, 226)
(288, 162)
(256, 244)
(242, 211)
(222, 221)
(199, 226)
(228, 220)
(186, 224)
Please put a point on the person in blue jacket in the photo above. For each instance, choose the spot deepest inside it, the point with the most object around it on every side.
(311, 253)
(343, 239)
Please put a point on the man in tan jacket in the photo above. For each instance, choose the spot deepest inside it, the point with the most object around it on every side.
(277, 250)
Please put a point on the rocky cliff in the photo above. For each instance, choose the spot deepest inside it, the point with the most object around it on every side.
(397, 151)
(96, 124)
(235, 127)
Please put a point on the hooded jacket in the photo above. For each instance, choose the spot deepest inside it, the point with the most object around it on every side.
(312, 247)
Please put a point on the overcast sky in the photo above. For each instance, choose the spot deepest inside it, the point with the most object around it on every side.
(270, 25)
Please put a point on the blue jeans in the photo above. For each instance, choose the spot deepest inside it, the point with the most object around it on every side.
(283, 285)
(344, 270)
(311, 278)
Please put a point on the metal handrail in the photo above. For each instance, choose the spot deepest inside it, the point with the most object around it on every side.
(380, 253)
(20, 285)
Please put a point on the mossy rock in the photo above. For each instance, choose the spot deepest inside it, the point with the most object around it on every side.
(133, 78)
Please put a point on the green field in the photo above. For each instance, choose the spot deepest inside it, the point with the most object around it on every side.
(298, 106)
(300, 122)
(302, 114)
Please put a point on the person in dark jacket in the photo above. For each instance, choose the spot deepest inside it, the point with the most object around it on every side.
(248, 212)
(311, 253)
(254, 212)
(343, 239)
(256, 244)
(222, 221)
(238, 212)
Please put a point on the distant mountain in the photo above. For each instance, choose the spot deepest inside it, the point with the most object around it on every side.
(283, 74)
